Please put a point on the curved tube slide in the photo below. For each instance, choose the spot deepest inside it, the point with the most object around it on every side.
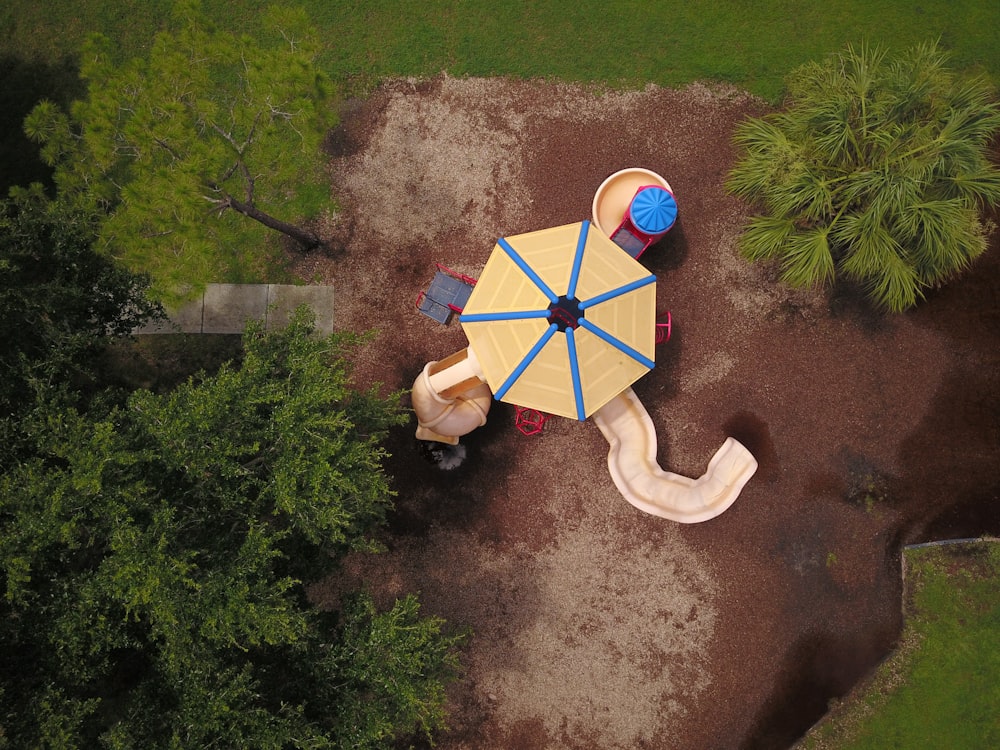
(450, 399)
(627, 427)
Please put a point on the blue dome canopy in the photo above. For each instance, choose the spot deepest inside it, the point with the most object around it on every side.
(653, 210)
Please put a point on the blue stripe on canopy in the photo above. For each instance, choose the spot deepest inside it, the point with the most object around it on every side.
(511, 315)
(574, 368)
(617, 344)
(528, 270)
(523, 364)
(581, 243)
(623, 289)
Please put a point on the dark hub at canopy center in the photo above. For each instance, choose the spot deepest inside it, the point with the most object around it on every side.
(565, 313)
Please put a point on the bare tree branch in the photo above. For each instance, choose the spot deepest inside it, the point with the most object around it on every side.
(229, 172)
(163, 144)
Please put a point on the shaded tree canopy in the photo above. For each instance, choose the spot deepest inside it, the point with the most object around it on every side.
(60, 301)
(877, 171)
(154, 559)
(184, 148)
(22, 84)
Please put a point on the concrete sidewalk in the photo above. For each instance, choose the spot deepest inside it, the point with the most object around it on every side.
(226, 308)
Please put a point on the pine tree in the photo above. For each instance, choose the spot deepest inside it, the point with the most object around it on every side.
(180, 149)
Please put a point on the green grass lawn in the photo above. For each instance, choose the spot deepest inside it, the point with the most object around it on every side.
(622, 42)
(625, 43)
(941, 688)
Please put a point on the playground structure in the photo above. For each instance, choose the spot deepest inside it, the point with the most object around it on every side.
(563, 321)
(635, 207)
(450, 398)
(447, 295)
(630, 433)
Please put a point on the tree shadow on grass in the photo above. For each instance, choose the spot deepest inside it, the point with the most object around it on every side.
(23, 84)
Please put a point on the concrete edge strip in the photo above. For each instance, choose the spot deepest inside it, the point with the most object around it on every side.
(198, 310)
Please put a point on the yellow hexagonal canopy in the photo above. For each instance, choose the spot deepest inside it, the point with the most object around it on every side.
(562, 320)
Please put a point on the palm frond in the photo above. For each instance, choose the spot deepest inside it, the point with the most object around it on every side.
(813, 195)
(916, 79)
(895, 287)
(768, 153)
(859, 187)
(764, 237)
(948, 244)
(806, 259)
(871, 250)
(784, 196)
(962, 134)
(975, 94)
(834, 134)
(862, 68)
(804, 81)
(852, 228)
(979, 186)
(893, 193)
(927, 221)
(761, 134)
(879, 262)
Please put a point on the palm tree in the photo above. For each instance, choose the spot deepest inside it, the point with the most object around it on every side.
(876, 171)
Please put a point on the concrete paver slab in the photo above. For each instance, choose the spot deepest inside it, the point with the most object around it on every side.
(190, 316)
(184, 319)
(226, 308)
(163, 326)
(229, 306)
(282, 299)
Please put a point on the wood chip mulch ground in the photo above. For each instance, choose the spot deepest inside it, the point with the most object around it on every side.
(597, 626)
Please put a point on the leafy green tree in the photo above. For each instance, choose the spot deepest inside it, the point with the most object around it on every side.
(181, 148)
(155, 561)
(876, 171)
(60, 302)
